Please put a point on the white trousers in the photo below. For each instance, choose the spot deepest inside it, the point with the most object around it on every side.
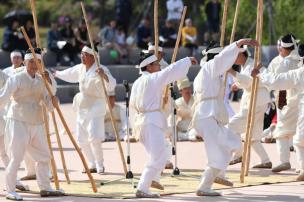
(90, 135)
(153, 139)
(3, 155)
(283, 148)
(219, 141)
(29, 165)
(238, 125)
(22, 138)
(300, 156)
(208, 178)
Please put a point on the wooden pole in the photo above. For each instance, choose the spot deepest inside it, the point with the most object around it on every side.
(174, 55)
(38, 42)
(40, 69)
(45, 115)
(258, 60)
(105, 92)
(224, 22)
(253, 95)
(156, 39)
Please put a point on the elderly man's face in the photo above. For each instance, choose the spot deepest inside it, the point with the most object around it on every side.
(31, 66)
(186, 92)
(153, 67)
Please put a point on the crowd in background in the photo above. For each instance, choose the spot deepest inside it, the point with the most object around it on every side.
(67, 36)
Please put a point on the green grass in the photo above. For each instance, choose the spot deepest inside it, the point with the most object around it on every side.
(42, 31)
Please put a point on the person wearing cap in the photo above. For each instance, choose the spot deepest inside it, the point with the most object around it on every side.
(90, 105)
(16, 60)
(287, 100)
(184, 112)
(24, 125)
(210, 115)
(119, 118)
(238, 122)
(290, 80)
(150, 123)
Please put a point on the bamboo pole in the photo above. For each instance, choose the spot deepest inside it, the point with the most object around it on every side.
(105, 92)
(252, 103)
(156, 39)
(40, 69)
(236, 14)
(174, 55)
(224, 22)
(38, 42)
(44, 111)
(260, 34)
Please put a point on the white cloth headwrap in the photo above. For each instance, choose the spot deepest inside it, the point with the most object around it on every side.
(147, 61)
(29, 56)
(287, 45)
(15, 53)
(87, 49)
(212, 50)
(152, 48)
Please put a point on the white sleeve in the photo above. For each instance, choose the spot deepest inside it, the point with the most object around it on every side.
(7, 91)
(70, 75)
(170, 7)
(283, 81)
(223, 61)
(173, 72)
(54, 83)
(110, 86)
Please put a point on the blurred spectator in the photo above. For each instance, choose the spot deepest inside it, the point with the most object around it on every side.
(11, 37)
(175, 9)
(212, 10)
(67, 35)
(168, 35)
(17, 61)
(189, 36)
(123, 11)
(121, 42)
(30, 31)
(53, 38)
(108, 38)
(144, 34)
(81, 35)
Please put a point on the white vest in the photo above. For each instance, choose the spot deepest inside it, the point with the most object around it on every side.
(26, 105)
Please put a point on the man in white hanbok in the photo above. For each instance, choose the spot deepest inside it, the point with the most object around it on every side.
(90, 105)
(290, 80)
(24, 126)
(150, 122)
(16, 60)
(287, 100)
(238, 122)
(211, 116)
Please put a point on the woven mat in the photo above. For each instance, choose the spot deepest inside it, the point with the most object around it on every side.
(187, 182)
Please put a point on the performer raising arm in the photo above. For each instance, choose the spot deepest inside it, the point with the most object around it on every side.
(150, 122)
(90, 105)
(210, 114)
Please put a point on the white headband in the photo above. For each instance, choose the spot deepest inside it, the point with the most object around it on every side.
(287, 45)
(212, 50)
(152, 48)
(15, 53)
(86, 49)
(29, 56)
(147, 61)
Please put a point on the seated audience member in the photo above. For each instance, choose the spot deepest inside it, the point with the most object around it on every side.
(144, 34)
(168, 35)
(189, 36)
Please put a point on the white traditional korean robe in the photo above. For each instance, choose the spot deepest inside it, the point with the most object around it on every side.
(289, 80)
(90, 105)
(238, 122)
(24, 126)
(3, 155)
(150, 122)
(120, 120)
(211, 116)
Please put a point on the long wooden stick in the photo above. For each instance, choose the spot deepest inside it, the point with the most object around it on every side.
(258, 60)
(224, 22)
(45, 116)
(174, 55)
(253, 96)
(105, 92)
(53, 163)
(66, 173)
(38, 42)
(156, 39)
(40, 69)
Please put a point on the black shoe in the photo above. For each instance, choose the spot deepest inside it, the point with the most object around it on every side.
(92, 170)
